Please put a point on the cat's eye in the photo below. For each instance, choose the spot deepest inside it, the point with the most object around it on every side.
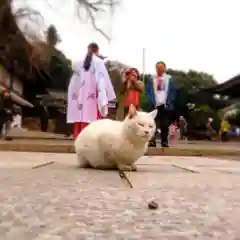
(150, 126)
(140, 124)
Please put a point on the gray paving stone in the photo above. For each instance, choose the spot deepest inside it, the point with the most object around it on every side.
(62, 202)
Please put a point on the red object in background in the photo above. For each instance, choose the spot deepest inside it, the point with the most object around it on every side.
(79, 126)
(6, 94)
(160, 84)
(133, 97)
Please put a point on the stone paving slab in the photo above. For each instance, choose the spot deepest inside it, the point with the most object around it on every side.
(161, 163)
(62, 202)
(18, 158)
(190, 164)
(196, 161)
(66, 146)
(28, 160)
(209, 165)
(228, 170)
(160, 168)
(22, 133)
(154, 180)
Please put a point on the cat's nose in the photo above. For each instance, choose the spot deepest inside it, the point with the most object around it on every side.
(146, 132)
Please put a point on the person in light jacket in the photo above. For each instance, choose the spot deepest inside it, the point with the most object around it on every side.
(161, 93)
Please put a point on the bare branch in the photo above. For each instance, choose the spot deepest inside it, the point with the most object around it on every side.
(30, 22)
(93, 22)
(26, 12)
(24, 49)
(92, 7)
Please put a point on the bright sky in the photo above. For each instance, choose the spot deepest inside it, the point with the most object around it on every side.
(202, 35)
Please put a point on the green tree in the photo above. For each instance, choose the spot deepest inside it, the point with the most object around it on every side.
(199, 116)
(192, 79)
(189, 83)
(188, 86)
(188, 94)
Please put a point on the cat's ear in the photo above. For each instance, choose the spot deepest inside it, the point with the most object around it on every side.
(132, 111)
(153, 114)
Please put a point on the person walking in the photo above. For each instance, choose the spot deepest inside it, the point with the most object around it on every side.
(183, 128)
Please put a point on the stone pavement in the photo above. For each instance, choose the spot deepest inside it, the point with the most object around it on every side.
(66, 146)
(44, 196)
(35, 141)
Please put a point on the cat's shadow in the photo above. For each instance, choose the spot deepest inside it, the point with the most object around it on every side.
(140, 169)
(94, 169)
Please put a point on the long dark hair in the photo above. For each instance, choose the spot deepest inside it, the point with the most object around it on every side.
(92, 48)
(129, 72)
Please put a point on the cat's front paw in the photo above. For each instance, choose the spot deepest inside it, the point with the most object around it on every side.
(129, 168)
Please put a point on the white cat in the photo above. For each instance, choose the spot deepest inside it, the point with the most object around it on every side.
(108, 144)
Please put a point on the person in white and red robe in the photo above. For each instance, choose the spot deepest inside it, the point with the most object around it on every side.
(89, 92)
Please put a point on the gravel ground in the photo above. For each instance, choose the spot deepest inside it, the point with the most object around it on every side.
(59, 201)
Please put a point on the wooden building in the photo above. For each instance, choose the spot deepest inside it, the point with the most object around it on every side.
(230, 88)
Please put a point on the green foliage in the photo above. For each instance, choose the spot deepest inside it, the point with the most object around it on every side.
(144, 102)
(199, 116)
(189, 80)
(192, 79)
(232, 114)
(237, 119)
(204, 108)
(59, 71)
(188, 84)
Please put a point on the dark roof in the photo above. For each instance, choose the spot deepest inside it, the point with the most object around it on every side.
(230, 87)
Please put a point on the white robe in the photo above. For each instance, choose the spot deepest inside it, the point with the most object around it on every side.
(89, 92)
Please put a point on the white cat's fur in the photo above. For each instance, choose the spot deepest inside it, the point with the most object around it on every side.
(108, 144)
